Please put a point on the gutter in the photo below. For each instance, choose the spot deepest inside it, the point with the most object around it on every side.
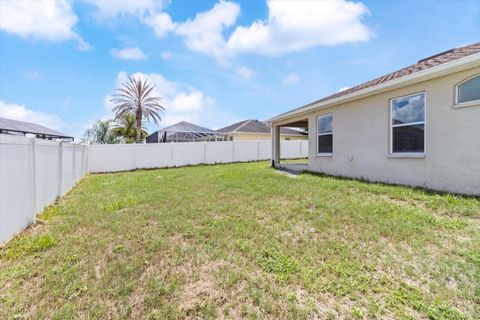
(424, 75)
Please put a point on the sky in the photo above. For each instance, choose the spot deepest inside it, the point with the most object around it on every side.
(212, 62)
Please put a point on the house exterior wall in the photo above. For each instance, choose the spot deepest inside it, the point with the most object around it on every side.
(361, 140)
(240, 136)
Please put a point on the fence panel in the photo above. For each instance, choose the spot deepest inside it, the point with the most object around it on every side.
(68, 160)
(47, 176)
(219, 152)
(188, 153)
(111, 158)
(245, 151)
(290, 149)
(33, 173)
(265, 149)
(15, 185)
(155, 156)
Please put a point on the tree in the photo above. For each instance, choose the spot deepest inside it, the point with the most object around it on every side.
(136, 97)
(126, 129)
(100, 133)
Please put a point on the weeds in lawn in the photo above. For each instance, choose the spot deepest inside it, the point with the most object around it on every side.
(276, 262)
(27, 245)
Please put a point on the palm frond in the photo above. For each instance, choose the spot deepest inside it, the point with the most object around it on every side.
(135, 99)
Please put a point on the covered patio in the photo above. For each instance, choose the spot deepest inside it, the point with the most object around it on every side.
(295, 166)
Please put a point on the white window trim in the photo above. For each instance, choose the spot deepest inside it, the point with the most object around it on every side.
(324, 154)
(467, 103)
(424, 122)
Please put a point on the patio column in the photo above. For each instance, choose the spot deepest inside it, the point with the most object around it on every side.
(275, 145)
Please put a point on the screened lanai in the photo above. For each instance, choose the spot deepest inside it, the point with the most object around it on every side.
(184, 132)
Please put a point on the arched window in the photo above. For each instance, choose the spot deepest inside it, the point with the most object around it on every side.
(469, 90)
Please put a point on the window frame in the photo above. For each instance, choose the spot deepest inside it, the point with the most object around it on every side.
(473, 102)
(424, 122)
(318, 153)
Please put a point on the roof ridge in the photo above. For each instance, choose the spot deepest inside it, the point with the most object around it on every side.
(243, 125)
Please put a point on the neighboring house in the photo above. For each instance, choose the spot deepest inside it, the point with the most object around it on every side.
(416, 126)
(15, 127)
(184, 132)
(256, 130)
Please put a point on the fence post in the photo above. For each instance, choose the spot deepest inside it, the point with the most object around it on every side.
(60, 167)
(83, 169)
(233, 151)
(33, 182)
(74, 165)
(133, 156)
(204, 152)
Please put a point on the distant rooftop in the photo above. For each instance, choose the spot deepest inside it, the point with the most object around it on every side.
(9, 126)
(255, 126)
(184, 126)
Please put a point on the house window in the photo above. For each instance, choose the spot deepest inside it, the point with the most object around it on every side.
(469, 90)
(325, 134)
(408, 124)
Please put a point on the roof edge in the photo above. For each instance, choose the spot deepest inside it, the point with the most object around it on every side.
(300, 134)
(427, 74)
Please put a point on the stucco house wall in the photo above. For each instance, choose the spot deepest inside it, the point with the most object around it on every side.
(361, 140)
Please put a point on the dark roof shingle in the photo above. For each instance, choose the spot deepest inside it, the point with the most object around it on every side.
(255, 126)
(28, 127)
(184, 126)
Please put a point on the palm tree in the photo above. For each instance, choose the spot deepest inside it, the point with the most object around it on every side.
(101, 133)
(127, 129)
(136, 97)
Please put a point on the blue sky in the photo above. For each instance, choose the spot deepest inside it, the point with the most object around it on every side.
(214, 62)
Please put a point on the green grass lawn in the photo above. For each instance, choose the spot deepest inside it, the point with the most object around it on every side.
(243, 241)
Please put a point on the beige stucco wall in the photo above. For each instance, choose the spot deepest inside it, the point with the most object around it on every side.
(255, 137)
(362, 133)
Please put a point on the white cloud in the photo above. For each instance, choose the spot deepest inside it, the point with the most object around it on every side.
(161, 23)
(204, 32)
(166, 55)
(41, 20)
(291, 78)
(134, 53)
(21, 113)
(290, 26)
(148, 11)
(33, 75)
(245, 72)
(343, 89)
(296, 25)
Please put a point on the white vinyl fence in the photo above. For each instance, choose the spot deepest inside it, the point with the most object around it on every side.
(123, 157)
(33, 173)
